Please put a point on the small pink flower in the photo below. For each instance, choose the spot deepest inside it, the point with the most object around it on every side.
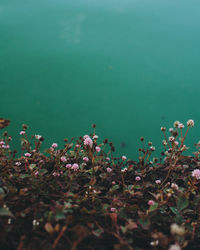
(56, 174)
(109, 170)
(107, 159)
(75, 166)
(158, 181)
(85, 159)
(137, 178)
(171, 138)
(113, 182)
(181, 125)
(27, 154)
(22, 132)
(36, 173)
(174, 186)
(78, 145)
(2, 142)
(63, 158)
(88, 141)
(176, 142)
(124, 158)
(41, 161)
(196, 174)
(17, 163)
(98, 149)
(170, 129)
(151, 202)
(7, 146)
(85, 136)
(68, 165)
(113, 209)
(54, 145)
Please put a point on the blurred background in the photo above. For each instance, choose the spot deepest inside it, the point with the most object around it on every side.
(128, 66)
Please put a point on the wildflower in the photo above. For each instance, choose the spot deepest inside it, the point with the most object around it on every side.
(68, 165)
(75, 167)
(171, 138)
(54, 145)
(95, 137)
(2, 142)
(196, 174)
(176, 123)
(170, 129)
(152, 148)
(174, 186)
(63, 159)
(17, 163)
(174, 247)
(38, 137)
(27, 154)
(176, 229)
(154, 243)
(190, 123)
(36, 173)
(124, 158)
(98, 149)
(109, 170)
(107, 159)
(56, 174)
(113, 209)
(113, 182)
(78, 146)
(181, 125)
(35, 223)
(85, 159)
(22, 132)
(137, 178)
(164, 142)
(123, 170)
(6, 146)
(163, 129)
(151, 202)
(88, 141)
(157, 181)
(184, 148)
(85, 136)
(176, 143)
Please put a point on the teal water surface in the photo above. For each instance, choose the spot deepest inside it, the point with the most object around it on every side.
(129, 66)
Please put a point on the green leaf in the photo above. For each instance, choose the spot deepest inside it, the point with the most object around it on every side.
(153, 207)
(24, 176)
(174, 210)
(43, 171)
(5, 212)
(60, 215)
(115, 187)
(145, 223)
(2, 193)
(182, 203)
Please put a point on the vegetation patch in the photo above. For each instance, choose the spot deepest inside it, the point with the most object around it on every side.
(82, 197)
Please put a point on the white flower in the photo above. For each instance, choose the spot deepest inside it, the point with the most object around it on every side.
(38, 137)
(176, 229)
(176, 124)
(175, 247)
(190, 123)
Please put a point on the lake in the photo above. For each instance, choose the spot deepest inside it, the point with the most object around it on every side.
(130, 67)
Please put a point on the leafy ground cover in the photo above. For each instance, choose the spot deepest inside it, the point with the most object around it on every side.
(81, 197)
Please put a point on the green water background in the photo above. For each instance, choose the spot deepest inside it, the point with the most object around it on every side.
(128, 66)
